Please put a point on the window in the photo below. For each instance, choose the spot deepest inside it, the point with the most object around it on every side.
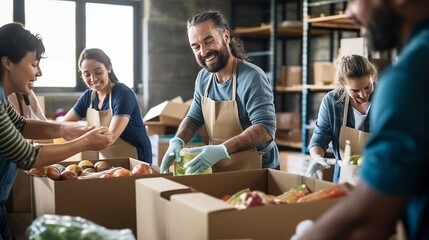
(114, 35)
(6, 11)
(58, 32)
(69, 26)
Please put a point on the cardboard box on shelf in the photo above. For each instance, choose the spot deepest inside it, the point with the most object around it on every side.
(288, 120)
(167, 113)
(189, 207)
(349, 46)
(109, 202)
(290, 76)
(323, 73)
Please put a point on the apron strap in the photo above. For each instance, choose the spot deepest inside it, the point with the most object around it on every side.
(234, 80)
(110, 99)
(346, 108)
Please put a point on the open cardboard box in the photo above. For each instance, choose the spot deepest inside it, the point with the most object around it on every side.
(167, 113)
(189, 207)
(109, 202)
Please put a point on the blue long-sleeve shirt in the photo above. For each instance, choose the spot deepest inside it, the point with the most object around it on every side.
(255, 103)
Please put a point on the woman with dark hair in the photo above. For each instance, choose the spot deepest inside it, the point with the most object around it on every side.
(20, 54)
(110, 103)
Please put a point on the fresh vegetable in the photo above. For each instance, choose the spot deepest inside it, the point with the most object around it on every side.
(236, 196)
(53, 173)
(292, 195)
(353, 160)
(101, 166)
(141, 169)
(50, 227)
(68, 175)
(185, 157)
(336, 191)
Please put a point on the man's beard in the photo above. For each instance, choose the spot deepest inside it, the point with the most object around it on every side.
(223, 57)
(383, 31)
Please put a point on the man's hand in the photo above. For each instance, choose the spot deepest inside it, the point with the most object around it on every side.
(207, 157)
(317, 163)
(173, 153)
(72, 131)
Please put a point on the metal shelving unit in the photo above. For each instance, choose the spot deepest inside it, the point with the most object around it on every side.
(333, 22)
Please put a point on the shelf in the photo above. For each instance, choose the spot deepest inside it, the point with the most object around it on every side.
(310, 87)
(290, 144)
(263, 31)
(339, 21)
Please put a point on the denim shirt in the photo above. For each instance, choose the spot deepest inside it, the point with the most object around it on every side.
(330, 120)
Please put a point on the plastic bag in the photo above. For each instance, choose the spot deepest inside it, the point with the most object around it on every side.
(51, 227)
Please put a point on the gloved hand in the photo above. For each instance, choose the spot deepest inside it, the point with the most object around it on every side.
(317, 163)
(173, 153)
(207, 157)
(301, 228)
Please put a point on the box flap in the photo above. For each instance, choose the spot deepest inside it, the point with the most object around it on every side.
(202, 202)
(169, 113)
(154, 113)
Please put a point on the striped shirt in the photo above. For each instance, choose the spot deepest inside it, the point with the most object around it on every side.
(13, 146)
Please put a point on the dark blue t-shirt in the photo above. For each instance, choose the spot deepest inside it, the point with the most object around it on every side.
(124, 104)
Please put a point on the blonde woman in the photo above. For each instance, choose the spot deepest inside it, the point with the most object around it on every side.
(344, 112)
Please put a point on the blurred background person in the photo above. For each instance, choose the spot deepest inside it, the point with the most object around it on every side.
(344, 113)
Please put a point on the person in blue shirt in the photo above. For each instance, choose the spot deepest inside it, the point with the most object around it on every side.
(344, 112)
(20, 55)
(233, 99)
(110, 103)
(394, 177)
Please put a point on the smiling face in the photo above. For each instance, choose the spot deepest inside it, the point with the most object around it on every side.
(95, 74)
(209, 45)
(359, 89)
(20, 77)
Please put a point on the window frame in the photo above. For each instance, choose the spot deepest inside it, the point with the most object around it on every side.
(19, 16)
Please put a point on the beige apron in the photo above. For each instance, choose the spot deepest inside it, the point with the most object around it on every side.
(222, 123)
(356, 137)
(119, 148)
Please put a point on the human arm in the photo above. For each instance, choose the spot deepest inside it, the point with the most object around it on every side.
(96, 139)
(25, 155)
(37, 129)
(363, 214)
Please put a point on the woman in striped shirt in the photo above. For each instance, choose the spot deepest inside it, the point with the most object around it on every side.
(20, 54)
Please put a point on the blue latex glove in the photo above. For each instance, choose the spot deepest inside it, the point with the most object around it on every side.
(173, 153)
(207, 157)
(317, 163)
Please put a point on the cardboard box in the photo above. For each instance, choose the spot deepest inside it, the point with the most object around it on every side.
(109, 202)
(288, 120)
(167, 113)
(297, 163)
(18, 223)
(323, 73)
(349, 46)
(349, 173)
(189, 207)
(20, 195)
(291, 76)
